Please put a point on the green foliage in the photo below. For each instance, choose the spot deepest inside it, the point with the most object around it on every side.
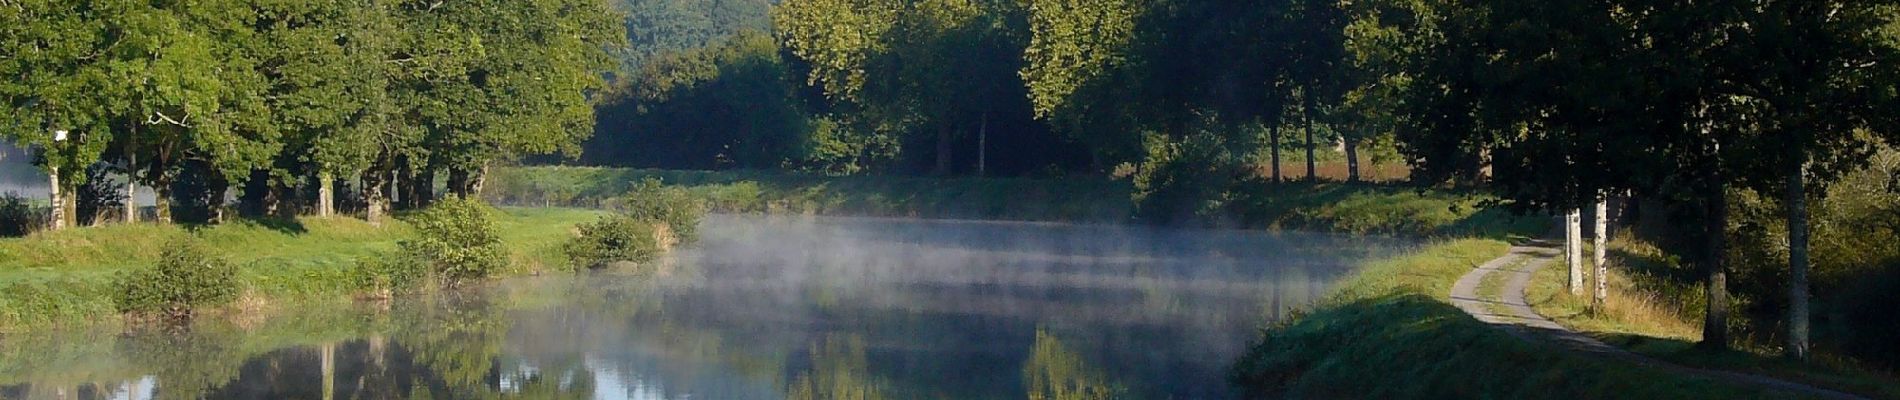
(614, 238)
(1186, 182)
(389, 273)
(458, 240)
(728, 105)
(17, 217)
(188, 276)
(673, 206)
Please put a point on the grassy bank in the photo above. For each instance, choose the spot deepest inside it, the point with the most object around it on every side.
(1329, 207)
(1390, 333)
(1659, 316)
(67, 275)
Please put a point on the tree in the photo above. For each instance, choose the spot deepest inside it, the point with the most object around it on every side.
(58, 65)
(1814, 75)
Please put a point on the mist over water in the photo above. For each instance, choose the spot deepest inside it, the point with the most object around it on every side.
(790, 307)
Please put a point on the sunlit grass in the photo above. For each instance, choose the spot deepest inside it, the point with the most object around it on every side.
(66, 275)
(1650, 315)
(1389, 333)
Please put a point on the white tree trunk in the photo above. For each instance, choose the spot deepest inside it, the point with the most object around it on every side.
(1573, 249)
(57, 220)
(326, 194)
(131, 200)
(1599, 247)
(328, 361)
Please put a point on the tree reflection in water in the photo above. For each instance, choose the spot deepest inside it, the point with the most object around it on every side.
(814, 308)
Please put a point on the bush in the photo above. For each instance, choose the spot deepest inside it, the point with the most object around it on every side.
(614, 238)
(678, 209)
(188, 276)
(1190, 181)
(389, 273)
(457, 239)
(17, 218)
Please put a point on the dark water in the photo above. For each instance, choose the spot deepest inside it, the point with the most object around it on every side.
(763, 308)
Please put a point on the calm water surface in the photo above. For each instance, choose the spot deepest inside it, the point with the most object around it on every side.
(762, 308)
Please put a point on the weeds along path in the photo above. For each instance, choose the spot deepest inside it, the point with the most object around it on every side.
(1504, 307)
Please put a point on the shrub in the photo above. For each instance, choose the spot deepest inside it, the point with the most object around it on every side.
(17, 218)
(678, 209)
(457, 239)
(614, 238)
(1190, 181)
(188, 276)
(389, 273)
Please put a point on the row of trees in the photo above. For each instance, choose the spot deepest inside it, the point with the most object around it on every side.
(1566, 103)
(1553, 106)
(987, 87)
(277, 97)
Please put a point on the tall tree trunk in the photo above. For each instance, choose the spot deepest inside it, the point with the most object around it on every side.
(1599, 246)
(458, 182)
(943, 151)
(328, 361)
(1352, 160)
(1573, 249)
(326, 193)
(983, 145)
(57, 219)
(375, 203)
(480, 180)
(1797, 204)
(1273, 138)
(131, 181)
(1312, 172)
(162, 199)
(424, 186)
(1715, 265)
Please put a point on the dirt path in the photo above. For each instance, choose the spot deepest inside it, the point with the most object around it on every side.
(1507, 309)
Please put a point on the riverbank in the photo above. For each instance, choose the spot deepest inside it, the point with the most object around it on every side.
(1389, 332)
(54, 277)
(1356, 208)
(1657, 318)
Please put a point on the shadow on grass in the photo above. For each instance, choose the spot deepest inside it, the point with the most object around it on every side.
(1416, 346)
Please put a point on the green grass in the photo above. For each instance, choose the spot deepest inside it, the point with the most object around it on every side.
(1074, 199)
(1641, 313)
(1388, 332)
(64, 276)
(1328, 207)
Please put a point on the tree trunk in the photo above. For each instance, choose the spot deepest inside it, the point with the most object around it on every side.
(1715, 265)
(1599, 248)
(481, 180)
(458, 182)
(1273, 138)
(326, 194)
(131, 187)
(1798, 263)
(328, 361)
(375, 204)
(424, 188)
(943, 151)
(1352, 160)
(1312, 173)
(1573, 249)
(57, 218)
(162, 200)
(983, 145)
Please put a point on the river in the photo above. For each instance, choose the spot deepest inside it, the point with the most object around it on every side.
(761, 308)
